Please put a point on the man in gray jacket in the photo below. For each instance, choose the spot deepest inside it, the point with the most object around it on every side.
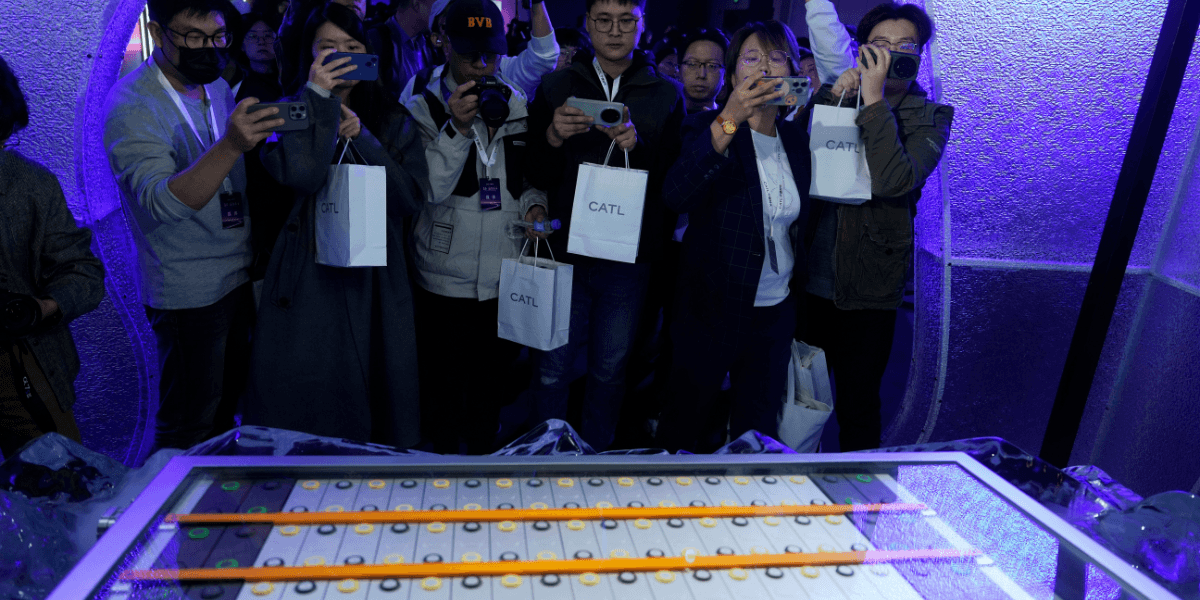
(478, 191)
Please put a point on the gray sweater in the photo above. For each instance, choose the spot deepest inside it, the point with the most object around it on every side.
(185, 258)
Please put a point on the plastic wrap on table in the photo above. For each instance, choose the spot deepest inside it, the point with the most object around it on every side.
(753, 442)
(266, 441)
(551, 438)
(36, 546)
(1159, 535)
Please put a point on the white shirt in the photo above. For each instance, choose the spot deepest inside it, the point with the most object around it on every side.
(781, 207)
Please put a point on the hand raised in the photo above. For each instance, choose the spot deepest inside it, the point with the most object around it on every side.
(244, 129)
(327, 76)
(463, 108)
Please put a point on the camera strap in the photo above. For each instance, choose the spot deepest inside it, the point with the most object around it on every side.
(616, 85)
(19, 376)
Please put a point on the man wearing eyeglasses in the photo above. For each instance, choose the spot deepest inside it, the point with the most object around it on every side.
(607, 296)
(175, 142)
(703, 68)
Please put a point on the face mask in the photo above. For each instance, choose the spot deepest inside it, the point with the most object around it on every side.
(202, 65)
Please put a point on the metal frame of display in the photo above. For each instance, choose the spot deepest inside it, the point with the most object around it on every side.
(97, 566)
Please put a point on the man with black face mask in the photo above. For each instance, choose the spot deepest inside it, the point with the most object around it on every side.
(475, 147)
(175, 142)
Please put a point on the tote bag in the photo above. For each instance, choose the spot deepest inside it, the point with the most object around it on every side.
(809, 399)
(606, 217)
(839, 161)
(351, 216)
(535, 301)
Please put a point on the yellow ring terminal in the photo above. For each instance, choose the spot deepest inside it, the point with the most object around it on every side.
(665, 576)
(436, 527)
(772, 521)
(472, 557)
(511, 581)
(547, 555)
(507, 526)
(690, 554)
(393, 559)
(833, 519)
(314, 561)
(575, 525)
(759, 550)
(441, 484)
(604, 504)
(348, 586)
(376, 484)
(708, 522)
(642, 523)
(619, 553)
(364, 528)
(262, 588)
(666, 504)
(404, 507)
(430, 584)
(729, 503)
(335, 508)
(810, 572)
(472, 506)
(739, 574)
(539, 506)
(504, 484)
(824, 548)
(787, 503)
(311, 484)
(798, 479)
(589, 579)
(566, 482)
(740, 480)
(289, 530)
(625, 482)
(683, 480)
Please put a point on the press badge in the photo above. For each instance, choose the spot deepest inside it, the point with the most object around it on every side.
(489, 193)
(232, 215)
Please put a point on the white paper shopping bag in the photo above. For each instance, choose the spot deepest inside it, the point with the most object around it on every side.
(535, 301)
(809, 399)
(606, 217)
(351, 216)
(839, 161)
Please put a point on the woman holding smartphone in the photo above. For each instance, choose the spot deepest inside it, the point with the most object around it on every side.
(334, 351)
(743, 179)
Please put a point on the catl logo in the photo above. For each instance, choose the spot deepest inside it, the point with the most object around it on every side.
(479, 22)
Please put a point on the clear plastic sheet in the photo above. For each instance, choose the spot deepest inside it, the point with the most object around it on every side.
(53, 493)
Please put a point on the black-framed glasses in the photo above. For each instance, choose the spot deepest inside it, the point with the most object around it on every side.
(268, 37)
(908, 47)
(695, 66)
(624, 24)
(197, 39)
(777, 58)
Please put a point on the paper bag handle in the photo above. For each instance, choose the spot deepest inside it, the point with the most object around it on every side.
(609, 155)
(536, 243)
(344, 149)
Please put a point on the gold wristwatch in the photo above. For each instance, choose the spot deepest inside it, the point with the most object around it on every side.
(728, 126)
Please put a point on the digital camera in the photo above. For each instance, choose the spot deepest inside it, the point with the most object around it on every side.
(19, 314)
(904, 65)
(493, 100)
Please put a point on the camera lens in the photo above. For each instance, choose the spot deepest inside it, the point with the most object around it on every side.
(493, 107)
(610, 115)
(904, 67)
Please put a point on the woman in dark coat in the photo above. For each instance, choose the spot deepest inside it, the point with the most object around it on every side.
(743, 179)
(334, 351)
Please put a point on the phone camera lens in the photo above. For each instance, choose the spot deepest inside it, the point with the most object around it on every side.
(610, 115)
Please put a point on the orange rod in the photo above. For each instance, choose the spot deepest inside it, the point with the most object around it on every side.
(548, 514)
(542, 567)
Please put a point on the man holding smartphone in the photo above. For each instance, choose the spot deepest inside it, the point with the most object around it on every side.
(607, 296)
(478, 188)
(175, 141)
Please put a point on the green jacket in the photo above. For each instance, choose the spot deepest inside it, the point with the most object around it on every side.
(874, 241)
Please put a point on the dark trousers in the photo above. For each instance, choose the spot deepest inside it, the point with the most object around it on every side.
(204, 362)
(857, 344)
(464, 371)
(24, 419)
(606, 302)
(757, 365)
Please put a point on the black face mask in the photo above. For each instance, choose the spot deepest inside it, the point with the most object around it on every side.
(202, 65)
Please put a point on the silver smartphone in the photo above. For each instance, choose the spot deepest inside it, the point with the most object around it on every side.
(608, 114)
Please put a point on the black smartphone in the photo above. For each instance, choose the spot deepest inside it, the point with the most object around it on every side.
(368, 65)
(294, 114)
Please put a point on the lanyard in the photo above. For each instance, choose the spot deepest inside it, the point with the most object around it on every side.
(213, 131)
(604, 81)
(491, 159)
(774, 212)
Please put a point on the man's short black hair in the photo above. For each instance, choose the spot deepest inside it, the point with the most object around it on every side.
(632, 3)
(890, 11)
(14, 112)
(702, 34)
(164, 11)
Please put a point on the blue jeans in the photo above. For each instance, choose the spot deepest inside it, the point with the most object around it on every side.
(606, 301)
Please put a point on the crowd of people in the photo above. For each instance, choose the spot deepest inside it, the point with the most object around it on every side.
(735, 260)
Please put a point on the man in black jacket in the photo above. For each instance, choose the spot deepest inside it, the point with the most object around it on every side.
(607, 296)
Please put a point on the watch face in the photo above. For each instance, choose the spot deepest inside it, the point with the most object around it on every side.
(729, 127)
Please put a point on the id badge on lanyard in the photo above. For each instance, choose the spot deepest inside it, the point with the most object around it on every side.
(489, 187)
(616, 85)
(233, 213)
